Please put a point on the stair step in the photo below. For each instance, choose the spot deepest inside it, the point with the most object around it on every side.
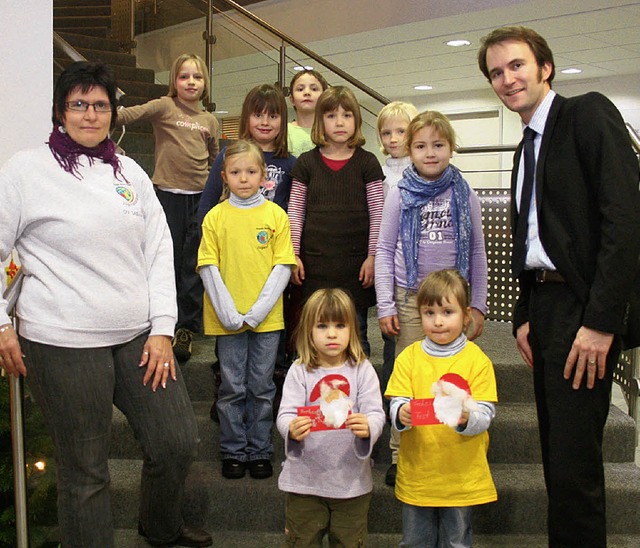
(112, 58)
(149, 90)
(90, 42)
(61, 3)
(258, 505)
(102, 32)
(81, 11)
(513, 437)
(80, 21)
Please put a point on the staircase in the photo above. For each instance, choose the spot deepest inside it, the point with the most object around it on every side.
(249, 513)
(86, 24)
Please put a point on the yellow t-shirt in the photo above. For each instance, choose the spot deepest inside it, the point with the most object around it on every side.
(245, 244)
(438, 466)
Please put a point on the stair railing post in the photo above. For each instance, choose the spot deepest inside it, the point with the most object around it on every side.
(19, 467)
(210, 40)
(17, 432)
(282, 68)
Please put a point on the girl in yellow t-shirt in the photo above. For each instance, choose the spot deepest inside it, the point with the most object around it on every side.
(245, 261)
(442, 392)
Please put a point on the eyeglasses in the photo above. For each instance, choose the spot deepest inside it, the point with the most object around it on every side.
(83, 106)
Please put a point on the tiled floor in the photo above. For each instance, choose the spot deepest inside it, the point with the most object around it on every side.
(619, 401)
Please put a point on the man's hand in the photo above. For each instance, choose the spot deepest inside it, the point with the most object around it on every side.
(588, 352)
(522, 340)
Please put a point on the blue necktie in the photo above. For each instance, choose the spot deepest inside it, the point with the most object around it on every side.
(520, 237)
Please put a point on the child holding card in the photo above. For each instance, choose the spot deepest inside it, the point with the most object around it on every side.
(442, 391)
(330, 417)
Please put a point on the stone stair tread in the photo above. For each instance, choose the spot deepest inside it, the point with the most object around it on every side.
(92, 42)
(513, 436)
(521, 507)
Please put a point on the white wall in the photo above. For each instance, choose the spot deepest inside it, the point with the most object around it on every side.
(26, 84)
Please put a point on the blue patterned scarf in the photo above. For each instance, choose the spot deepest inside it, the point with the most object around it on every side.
(417, 192)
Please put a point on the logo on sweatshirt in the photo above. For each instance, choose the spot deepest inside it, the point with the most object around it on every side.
(127, 193)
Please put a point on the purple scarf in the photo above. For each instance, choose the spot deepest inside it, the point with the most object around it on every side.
(66, 151)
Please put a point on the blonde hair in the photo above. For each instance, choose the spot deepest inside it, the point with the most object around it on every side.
(330, 100)
(175, 68)
(327, 305)
(270, 99)
(395, 109)
(441, 284)
(438, 121)
(246, 148)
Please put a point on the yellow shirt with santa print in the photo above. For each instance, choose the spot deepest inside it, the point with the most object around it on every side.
(438, 466)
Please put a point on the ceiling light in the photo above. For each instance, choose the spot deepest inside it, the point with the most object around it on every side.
(221, 112)
(423, 88)
(300, 67)
(571, 70)
(458, 43)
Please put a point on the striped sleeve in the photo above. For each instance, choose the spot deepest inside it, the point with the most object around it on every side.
(375, 201)
(296, 210)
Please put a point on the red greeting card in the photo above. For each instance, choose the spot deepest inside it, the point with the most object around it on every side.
(422, 412)
(317, 418)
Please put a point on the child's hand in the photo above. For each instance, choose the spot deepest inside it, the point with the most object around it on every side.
(389, 325)
(404, 415)
(299, 428)
(297, 277)
(464, 417)
(358, 423)
(366, 272)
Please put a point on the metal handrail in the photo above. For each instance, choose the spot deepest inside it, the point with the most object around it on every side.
(635, 138)
(310, 53)
(17, 432)
(74, 55)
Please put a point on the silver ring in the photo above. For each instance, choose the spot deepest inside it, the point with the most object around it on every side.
(592, 362)
(146, 353)
(165, 365)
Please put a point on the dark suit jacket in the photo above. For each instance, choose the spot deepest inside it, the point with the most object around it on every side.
(588, 208)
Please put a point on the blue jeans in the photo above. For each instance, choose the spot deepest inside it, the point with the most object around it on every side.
(427, 527)
(245, 397)
(76, 389)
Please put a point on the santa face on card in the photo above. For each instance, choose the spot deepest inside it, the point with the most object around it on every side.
(331, 396)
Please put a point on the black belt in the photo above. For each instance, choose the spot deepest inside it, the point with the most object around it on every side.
(543, 276)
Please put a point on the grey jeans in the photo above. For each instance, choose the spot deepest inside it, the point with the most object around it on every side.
(76, 389)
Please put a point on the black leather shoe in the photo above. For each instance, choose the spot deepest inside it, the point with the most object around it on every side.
(260, 469)
(190, 536)
(390, 478)
(233, 468)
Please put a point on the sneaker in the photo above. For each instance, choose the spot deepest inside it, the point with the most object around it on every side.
(260, 469)
(182, 344)
(390, 478)
(233, 468)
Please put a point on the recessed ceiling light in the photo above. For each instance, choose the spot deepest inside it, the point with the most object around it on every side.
(458, 43)
(571, 70)
(300, 67)
(423, 88)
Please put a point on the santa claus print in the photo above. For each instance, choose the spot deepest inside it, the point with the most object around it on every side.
(333, 392)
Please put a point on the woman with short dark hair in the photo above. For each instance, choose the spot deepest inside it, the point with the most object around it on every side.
(97, 312)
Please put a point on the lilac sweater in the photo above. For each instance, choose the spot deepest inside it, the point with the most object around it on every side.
(437, 250)
(332, 463)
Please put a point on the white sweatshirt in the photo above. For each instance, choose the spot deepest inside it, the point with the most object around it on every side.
(96, 252)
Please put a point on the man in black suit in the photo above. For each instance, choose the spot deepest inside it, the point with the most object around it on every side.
(575, 255)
